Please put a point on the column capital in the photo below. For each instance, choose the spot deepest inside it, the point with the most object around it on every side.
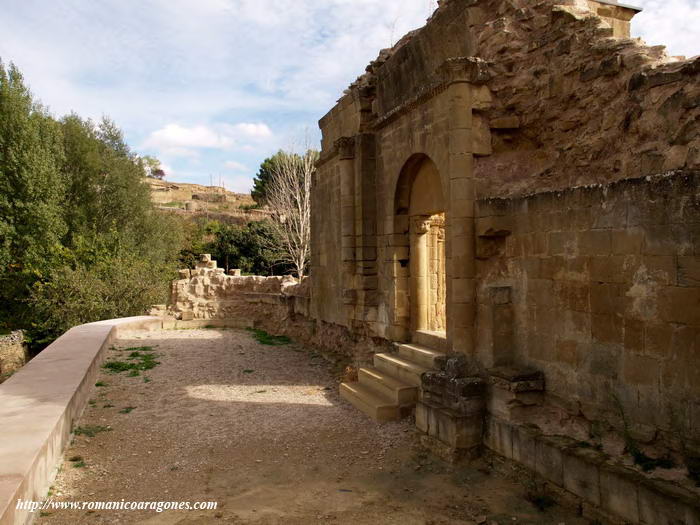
(472, 70)
(345, 147)
(421, 224)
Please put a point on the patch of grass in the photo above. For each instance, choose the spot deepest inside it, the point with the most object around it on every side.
(101, 383)
(79, 464)
(209, 327)
(90, 430)
(147, 379)
(127, 410)
(140, 358)
(92, 402)
(248, 371)
(43, 514)
(262, 337)
(108, 405)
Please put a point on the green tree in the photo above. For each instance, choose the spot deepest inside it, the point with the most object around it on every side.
(265, 174)
(80, 239)
(248, 248)
(105, 180)
(32, 192)
(32, 187)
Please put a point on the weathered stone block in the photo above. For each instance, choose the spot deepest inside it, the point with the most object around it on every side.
(549, 459)
(580, 474)
(511, 122)
(525, 446)
(664, 504)
(499, 437)
(619, 493)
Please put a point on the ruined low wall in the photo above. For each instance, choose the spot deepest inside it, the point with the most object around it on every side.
(13, 354)
(279, 305)
(601, 286)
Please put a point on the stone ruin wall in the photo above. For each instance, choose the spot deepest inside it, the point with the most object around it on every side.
(13, 354)
(563, 100)
(279, 305)
(599, 288)
(584, 151)
(583, 147)
(574, 107)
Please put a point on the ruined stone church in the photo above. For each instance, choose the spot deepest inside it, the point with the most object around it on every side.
(516, 183)
(506, 240)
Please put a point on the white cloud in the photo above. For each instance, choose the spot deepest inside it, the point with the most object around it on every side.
(255, 131)
(193, 81)
(235, 166)
(673, 23)
(182, 141)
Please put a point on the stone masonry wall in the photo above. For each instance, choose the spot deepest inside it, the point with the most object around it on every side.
(279, 305)
(13, 354)
(602, 285)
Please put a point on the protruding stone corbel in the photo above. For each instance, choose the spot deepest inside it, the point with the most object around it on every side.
(472, 70)
(345, 147)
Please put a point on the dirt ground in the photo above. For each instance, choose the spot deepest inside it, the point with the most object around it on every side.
(262, 431)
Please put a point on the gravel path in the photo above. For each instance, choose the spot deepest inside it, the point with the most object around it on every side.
(262, 431)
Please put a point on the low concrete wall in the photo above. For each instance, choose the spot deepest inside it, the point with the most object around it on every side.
(41, 402)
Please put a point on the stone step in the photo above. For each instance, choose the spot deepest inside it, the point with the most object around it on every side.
(370, 402)
(400, 368)
(422, 355)
(436, 340)
(387, 386)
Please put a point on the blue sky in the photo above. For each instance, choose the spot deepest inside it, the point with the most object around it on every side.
(212, 87)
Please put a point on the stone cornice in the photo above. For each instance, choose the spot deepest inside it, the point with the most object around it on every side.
(472, 70)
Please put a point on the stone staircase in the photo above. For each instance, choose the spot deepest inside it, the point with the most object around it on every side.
(389, 390)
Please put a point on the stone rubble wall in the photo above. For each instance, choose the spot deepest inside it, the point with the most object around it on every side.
(13, 354)
(278, 305)
(574, 103)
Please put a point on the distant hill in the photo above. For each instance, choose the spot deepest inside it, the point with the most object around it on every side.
(199, 201)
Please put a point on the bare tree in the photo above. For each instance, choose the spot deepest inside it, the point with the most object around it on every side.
(289, 199)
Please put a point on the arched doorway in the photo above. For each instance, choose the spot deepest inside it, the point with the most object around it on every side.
(420, 222)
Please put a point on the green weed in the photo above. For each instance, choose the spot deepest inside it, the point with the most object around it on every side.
(262, 337)
(90, 430)
(140, 358)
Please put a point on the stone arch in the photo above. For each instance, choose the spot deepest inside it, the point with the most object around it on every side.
(419, 248)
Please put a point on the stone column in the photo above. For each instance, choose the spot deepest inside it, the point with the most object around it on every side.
(461, 75)
(420, 279)
(346, 161)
